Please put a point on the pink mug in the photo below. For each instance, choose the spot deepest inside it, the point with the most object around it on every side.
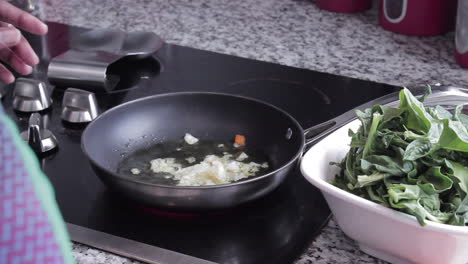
(418, 17)
(345, 6)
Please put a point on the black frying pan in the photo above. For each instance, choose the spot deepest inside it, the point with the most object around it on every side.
(136, 124)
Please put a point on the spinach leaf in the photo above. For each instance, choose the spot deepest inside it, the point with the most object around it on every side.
(370, 142)
(459, 116)
(439, 112)
(374, 178)
(419, 148)
(389, 114)
(417, 118)
(459, 174)
(454, 136)
(385, 164)
(460, 217)
(414, 200)
(365, 118)
(436, 178)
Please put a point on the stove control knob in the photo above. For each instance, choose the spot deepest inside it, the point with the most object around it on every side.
(30, 95)
(40, 139)
(29, 6)
(79, 106)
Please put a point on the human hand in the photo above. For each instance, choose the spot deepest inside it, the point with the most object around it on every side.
(14, 48)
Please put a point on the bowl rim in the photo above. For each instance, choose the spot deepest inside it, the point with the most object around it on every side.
(309, 173)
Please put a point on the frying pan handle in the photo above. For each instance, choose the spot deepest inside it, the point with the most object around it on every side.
(316, 133)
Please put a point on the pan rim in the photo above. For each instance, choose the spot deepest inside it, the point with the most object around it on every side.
(295, 158)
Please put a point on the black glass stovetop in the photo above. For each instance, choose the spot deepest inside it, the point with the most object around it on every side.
(274, 229)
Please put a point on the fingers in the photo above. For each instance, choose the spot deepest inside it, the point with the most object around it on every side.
(13, 15)
(20, 46)
(9, 57)
(5, 75)
(9, 36)
(14, 48)
(24, 50)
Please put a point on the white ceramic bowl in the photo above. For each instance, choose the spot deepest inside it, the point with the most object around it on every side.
(381, 232)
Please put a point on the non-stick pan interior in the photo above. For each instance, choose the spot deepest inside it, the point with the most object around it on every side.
(141, 123)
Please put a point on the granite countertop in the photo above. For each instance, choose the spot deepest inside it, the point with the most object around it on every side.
(292, 32)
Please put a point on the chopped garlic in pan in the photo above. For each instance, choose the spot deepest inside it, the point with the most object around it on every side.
(212, 170)
(135, 171)
(191, 159)
(190, 139)
(167, 165)
(242, 157)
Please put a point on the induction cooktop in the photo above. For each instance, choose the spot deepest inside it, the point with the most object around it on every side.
(274, 229)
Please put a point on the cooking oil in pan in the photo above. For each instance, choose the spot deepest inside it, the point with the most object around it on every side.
(137, 165)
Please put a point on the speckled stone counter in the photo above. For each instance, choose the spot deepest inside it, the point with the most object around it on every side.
(289, 32)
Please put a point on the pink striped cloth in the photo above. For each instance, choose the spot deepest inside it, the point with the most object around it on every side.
(31, 228)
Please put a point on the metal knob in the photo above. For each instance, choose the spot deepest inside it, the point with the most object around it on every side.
(40, 139)
(30, 95)
(26, 5)
(79, 106)
(29, 6)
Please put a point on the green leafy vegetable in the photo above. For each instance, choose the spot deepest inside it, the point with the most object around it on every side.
(411, 158)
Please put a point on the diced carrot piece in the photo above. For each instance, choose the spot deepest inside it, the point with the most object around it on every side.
(239, 140)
